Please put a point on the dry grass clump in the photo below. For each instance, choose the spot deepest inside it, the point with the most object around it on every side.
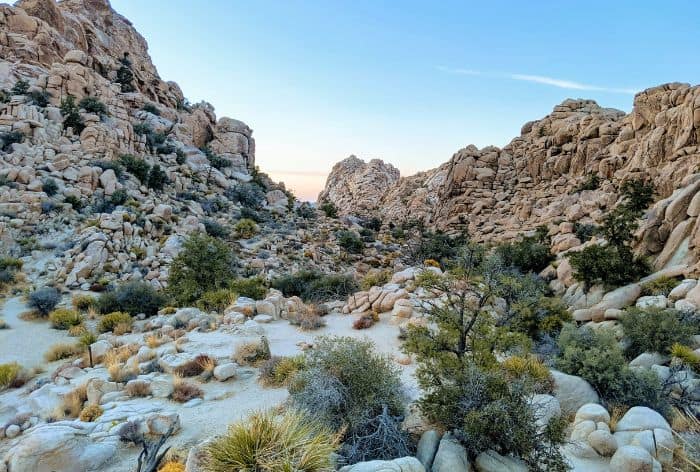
(363, 322)
(83, 303)
(529, 368)
(172, 466)
(138, 388)
(616, 414)
(269, 443)
(122, 328)
(63, 318)
(308, 321)
(11, 375)
(154, 340)
(201, 363)
(73, 402)
(184, 391)
(252, 353)
(279, 371)
(77, 331)
(62, 351)
(90, 413)
(110, 321)
(114, 360)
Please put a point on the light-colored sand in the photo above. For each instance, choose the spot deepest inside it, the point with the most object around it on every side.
(26, 341)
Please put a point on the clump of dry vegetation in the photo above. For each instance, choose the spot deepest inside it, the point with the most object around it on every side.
(184, 391)
(252, 353)
(200, 364)
(90, 413)
(62, 351)
(138, 388)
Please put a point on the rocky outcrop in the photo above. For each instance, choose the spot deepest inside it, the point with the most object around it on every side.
(498, 193)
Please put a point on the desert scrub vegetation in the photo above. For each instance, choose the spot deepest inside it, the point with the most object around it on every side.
(436, 245)
(184, 391)
(138, 388)
(375, 278)
(93, 105)
(71, 115)
(200, 364)
(314, 286)
(280, 371)
(62, 351)
(660, 286)
(90, 413)
(43, 300)
(597, 357)
(216, 300)
(204, 264)
(614, 263)
(251, 287)
(347, 385)
(308, 320)
(132, 297)
(9, 374)
(245, 228)
(350, 241)
(63, 318)
(136, 166)
(529, 254)
(252, 353)
(329, 209)
(657, 329)
(112, 320)
(247, 194)
(465, 388)
(266, 442)
(83, 303)
(9, 269)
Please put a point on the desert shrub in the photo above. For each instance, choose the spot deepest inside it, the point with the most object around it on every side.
(597, 357)
(74, 201)
(39, 98)
(21, 87)
(375, 278)
(529, 254)
(10, 138)
(314, 286)
(9, 267)
(346, 383)
(216, 300)
(267, 443)
(280, 371)
(584, 231)
(380, 438)
(49, 186)
(252, 287)
(151, 108)
(114, 165)
(180, 157)
(71, 115)
(592, 182)
(184, 391)
(252, 353)
(43, 300)
(109, 321)
(638, 194)
(246, 228)
(656, 330)
(133, 298)
(196, 366)
(119, 197)
(308, 320)
(215, 229)
(8, 374)
(350, 241)
(609, 265)
(248, 194)
(363, 322)
(172, 466)
(436, 245)
(64, 318)
(93, 105)
(545, 317)
(329, 209)
(687, 356)
(529, 369)
(157, 178)
(137, 167)
(216, 161)
(659, 286)
(90, 413)
(204, 264)
(62, 351)
(142, 129)
(306, 211)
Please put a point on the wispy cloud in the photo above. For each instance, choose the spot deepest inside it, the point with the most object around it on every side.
(539, 79)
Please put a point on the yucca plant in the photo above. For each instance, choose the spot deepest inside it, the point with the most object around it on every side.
(266, 442)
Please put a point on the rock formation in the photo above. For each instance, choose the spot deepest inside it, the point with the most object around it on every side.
(499, 193)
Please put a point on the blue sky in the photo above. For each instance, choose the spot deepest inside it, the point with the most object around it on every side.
(408, 82)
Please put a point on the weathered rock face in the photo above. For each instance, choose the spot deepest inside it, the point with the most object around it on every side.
(498, 193)
(357, 186)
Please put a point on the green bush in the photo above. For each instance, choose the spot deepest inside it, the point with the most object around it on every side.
(71, 115)
(9, 374)
(132, 297)
(137, 167)
(119, 197)
(268, 443)
(10, 138)
(63, 318)
(125, 76)
(546, 317)
(109, 321)
(591, 183)
(180, 157)
(253, 287)
(216, 300)
(114, 165)
(49, 186)
(142, 129)
(216, 161)
(248, 194)
(246, 228)
(204, 264)
(346, 383)
(660, 286)
(350, 241)
(215, 229)
(609, 265)
(93, 105)
(74, 202)
(656, 329)
(43, 300)
(157, 178)
(151, 108)
(313, 286)
(39, 98)
(530, 254)
(21, 87)
(329, 209)
(597, 357)
(436, 245)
